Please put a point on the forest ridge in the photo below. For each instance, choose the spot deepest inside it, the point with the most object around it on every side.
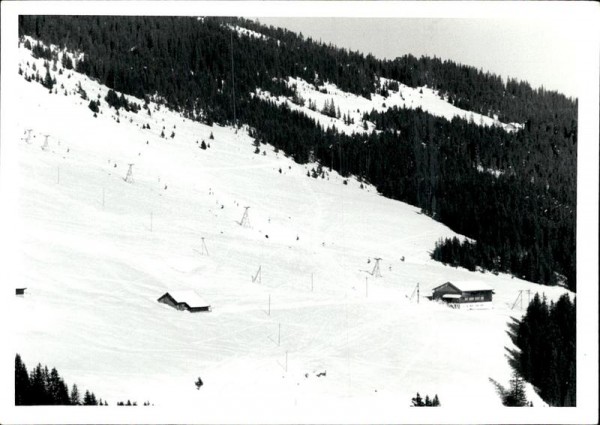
(521, 217)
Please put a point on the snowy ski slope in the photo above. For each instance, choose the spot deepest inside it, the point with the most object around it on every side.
(96, 252)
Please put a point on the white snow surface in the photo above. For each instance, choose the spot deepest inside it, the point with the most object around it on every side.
(249, 33)
(96, 252)
(189, 297)
(354, 106)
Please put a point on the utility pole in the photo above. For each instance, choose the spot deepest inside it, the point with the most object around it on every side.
(415, 291)
(245, 221)
(257, 275)
(129, 177)
(376, 272)
(204, 248)
(519, 297)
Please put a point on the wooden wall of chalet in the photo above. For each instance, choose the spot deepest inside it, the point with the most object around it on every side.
(167, 299)
(476, 296)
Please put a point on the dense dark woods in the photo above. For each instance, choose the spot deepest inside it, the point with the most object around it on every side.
(546, 338)
(512, 193)
(43, 387)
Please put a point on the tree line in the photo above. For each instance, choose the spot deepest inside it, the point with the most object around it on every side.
(418, 401)
(188, 62)
(46, 387)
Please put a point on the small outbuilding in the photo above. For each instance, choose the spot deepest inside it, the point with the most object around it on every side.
(21, 291)
(465, 295)
(185, 300)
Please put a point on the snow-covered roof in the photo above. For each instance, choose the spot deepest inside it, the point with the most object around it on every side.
(189, 297)
(468, 286)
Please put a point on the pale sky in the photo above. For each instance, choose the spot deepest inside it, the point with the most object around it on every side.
(540, 52)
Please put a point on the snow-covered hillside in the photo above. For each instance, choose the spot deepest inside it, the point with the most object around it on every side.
(249, 33)
(353, 107)
(97, 252)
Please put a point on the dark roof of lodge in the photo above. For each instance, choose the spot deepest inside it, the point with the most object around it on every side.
(468, 286)
(190, 298)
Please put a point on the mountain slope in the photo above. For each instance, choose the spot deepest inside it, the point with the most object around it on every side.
(231, 71)
(98, 251)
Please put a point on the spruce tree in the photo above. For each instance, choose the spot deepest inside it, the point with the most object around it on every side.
(38, 386)
(75, 397)
(22, 385)
(515, 396)
(417, 401)
(48, 81)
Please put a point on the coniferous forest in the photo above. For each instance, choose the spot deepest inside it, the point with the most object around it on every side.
(513, 194)
(44, 387)
(547, 343)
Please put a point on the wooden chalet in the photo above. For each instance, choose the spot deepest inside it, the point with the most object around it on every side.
(185, 300)
(464, 295)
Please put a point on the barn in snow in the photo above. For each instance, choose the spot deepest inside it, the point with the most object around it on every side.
(185, 300)
(464, 295)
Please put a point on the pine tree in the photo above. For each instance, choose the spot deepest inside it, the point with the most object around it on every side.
(54, 386)
(75, 397)
(515, 397)
(87, 398)
(22, 385)
(38, 386)
(93, 105)
(417, 401)
(66, 61)
(48, 81)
